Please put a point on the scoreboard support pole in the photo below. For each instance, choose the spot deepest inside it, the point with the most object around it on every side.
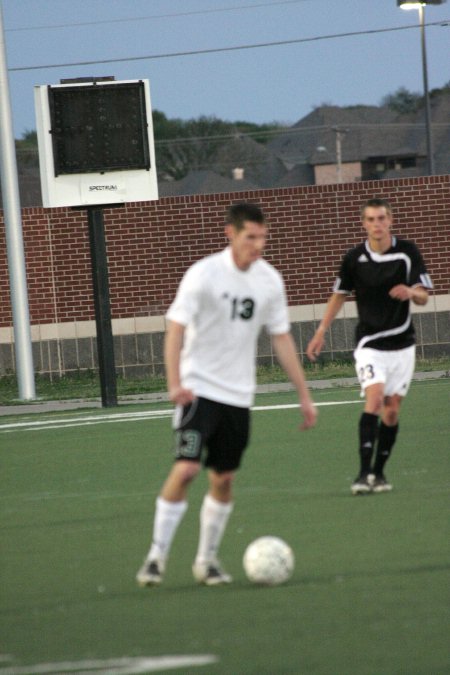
(96, 151)
(105, 342)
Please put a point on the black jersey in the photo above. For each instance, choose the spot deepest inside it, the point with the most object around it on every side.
(384, 323)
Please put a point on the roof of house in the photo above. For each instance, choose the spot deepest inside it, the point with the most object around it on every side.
(261, 166)
(203, 182)
(366, 133)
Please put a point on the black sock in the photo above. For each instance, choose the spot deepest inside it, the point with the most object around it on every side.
(386, 440)
(368, 427)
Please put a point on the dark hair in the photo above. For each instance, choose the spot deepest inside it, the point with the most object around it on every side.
(376, 202)
(239, 213)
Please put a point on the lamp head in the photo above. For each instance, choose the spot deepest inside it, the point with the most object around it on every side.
(415, 4)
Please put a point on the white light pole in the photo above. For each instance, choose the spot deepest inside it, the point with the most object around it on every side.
(419, 5)
(14, 237)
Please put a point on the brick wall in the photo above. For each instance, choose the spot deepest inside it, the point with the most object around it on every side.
(150, 244)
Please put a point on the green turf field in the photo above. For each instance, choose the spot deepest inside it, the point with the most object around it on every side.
(370, 591)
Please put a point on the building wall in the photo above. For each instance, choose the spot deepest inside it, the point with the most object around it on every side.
(150, 245)
(325, 174)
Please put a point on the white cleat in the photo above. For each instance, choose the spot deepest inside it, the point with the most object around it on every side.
(210, 573)
(151, 573)
(381, 484)
(362, 485)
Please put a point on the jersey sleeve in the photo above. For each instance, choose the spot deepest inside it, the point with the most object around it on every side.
(187, 300)
(344, 280)
(419, 275)
(277, 320)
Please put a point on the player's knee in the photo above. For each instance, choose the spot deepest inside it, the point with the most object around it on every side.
(187, 471)
(374, 404)
(374, 399)
(391, 410)
(226, 479)
(390, 417)
(221, 483)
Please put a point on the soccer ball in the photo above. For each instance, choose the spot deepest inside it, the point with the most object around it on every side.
(269, 561)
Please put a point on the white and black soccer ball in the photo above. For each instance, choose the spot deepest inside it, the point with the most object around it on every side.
(269, 561)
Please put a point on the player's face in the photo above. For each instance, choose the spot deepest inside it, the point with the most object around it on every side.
(377, 222)
(247, 244)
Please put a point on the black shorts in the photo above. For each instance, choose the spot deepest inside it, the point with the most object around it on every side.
(215, 434)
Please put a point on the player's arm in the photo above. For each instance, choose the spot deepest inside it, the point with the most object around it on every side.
(420, 281)
(287, 356)
(173, 344)
(417, 294)
(316, 343)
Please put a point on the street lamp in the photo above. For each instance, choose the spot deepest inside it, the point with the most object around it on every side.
(419, 5)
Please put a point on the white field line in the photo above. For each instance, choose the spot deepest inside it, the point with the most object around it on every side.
(41, 425)
(60, 423)
(295, 405)
(121, 666)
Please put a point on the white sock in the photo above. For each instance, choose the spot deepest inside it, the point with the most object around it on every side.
(213, 521)
(168, 516)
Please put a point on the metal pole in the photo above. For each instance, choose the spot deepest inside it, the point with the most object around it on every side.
(338, 155)
(340, 133)
(105, 342)
(430, 156)
(14, 238)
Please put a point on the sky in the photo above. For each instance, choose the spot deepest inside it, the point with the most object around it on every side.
(272, 83)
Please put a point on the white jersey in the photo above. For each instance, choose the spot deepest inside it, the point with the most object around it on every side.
(223, 309)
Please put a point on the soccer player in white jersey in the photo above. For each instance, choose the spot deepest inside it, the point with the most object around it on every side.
(221, 305)
(385, 274)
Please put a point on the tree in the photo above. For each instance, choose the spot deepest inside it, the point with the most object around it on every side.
(403, 101)
(26, 149)
(182, 146)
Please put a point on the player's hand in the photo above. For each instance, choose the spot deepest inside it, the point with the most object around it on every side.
(309, 412)
(315, 346)
(181, 396)
(401, 292)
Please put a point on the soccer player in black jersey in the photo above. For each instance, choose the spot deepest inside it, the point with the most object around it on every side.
(385, 274)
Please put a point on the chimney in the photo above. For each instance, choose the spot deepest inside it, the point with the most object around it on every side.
(238, 174)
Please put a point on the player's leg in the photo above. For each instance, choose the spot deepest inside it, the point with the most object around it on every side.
(214, 514)
(224, 455)
(398, 380)
(367, 433)
(387, 434)
(371, 375)
(171, 504)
